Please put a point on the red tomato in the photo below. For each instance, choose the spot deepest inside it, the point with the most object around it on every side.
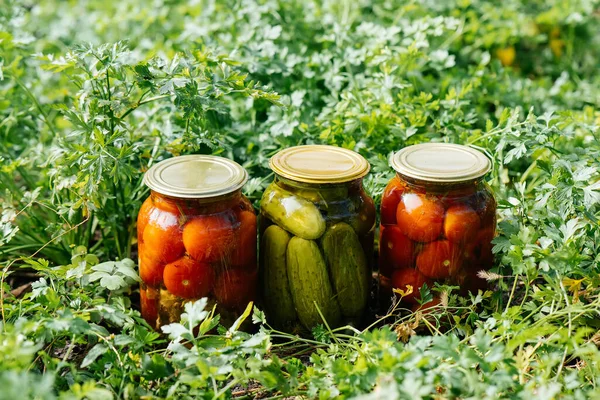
(385, 283)
(143, 217)
(420, 217)
(151, 270)
(389, 201)
(438, 260)
(244, 247)
(395, 248)
(188, 278)
(207, 238)
(162, 237)
(412, 277)
(461, 223)
(149, 299)
(235, 288)
(165, 204)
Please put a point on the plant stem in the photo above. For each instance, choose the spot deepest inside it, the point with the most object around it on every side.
(512, 292)
(140, 103)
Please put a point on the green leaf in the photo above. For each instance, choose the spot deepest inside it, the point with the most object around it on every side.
(95, 352)
(238, 322)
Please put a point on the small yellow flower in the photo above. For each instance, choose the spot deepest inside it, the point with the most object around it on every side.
(506, 55)
(557, 45)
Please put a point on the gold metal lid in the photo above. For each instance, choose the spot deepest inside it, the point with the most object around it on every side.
(196, 176)
(441, 162)
(319, 164)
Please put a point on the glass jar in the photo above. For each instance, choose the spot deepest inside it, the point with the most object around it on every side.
(317, 230)
(438, 218)
(196, 238)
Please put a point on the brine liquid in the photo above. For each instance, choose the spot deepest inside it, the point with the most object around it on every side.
(432, 234)
(341, 205)
(189, 250)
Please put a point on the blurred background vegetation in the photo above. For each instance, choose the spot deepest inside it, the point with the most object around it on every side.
(94, 92)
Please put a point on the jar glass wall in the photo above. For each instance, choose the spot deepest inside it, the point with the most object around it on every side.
(202, 245)
(316, 239)
(438, 218)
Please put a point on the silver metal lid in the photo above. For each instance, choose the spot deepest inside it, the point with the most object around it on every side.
(196, 176)
(441, 162)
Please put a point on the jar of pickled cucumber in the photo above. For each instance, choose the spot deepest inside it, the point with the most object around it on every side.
(438, 218)
(196, 238)
(316, 231)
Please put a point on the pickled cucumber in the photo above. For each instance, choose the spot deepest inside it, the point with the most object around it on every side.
(293, 213)
(348, 268)
(309, 284)
(279, 304)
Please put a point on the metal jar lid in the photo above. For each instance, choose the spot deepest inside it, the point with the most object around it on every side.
(441, 163)
(196, 176)
(319, 164)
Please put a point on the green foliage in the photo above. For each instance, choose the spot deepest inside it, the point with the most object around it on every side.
(83, 113)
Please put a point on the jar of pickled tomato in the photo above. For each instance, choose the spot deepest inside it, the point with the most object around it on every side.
(196, 238)
(317, 230)
(438, 218)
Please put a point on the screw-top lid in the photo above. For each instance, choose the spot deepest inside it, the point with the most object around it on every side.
(441, 162)
(319, 164)
(196, 176)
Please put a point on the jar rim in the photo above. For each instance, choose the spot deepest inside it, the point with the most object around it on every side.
(196, 176)
(444, 163)
(319, 164)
